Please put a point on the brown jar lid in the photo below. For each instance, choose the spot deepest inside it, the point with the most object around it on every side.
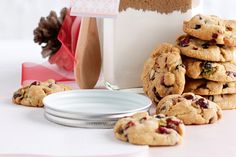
(88, 54)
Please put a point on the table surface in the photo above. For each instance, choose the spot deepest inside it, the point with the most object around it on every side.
(25, 131)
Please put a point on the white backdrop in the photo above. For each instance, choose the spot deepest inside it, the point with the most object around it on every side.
(20, 17)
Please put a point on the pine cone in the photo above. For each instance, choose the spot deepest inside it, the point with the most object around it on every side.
(46, 33)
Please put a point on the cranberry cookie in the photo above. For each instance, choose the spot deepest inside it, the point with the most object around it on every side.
(33, 94)
(143, 129)
(225, 101)
(206, 87)
(163, 73)
(212, 28)
(190, 108)
(204, 50)
(221, 72)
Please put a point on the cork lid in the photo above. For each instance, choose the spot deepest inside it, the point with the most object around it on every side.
(161, 6)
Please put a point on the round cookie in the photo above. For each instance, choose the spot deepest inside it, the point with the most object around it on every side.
(190, 108)
(204, 50)
(33, 94)
(221, 72)
(142, 129)
(212, 28)
(163, 73)
(225, 101)
(206, 87)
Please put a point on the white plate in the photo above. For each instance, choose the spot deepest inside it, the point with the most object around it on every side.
(96, 106)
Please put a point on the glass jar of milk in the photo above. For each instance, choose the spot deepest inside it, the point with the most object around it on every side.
(140, 27)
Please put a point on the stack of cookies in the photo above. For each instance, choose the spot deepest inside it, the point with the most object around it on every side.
(208, 54)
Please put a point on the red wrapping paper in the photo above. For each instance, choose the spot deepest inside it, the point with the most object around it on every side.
(64, 58)
(68, 36)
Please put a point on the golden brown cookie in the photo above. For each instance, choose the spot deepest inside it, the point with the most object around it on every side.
(215, 71)
(206, 87)
(190, 108)
(213, 28)
(163, 73)
(156, 130)
(33, 94)
(204, 50)
(225, 101)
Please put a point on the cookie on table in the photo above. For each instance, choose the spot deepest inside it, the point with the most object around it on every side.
(190, 108)
(206, 87)
(225, 101)
(221, 72)
(142, 129)
(163, 73)
(213, 28)
(204, 50)
(33, 94)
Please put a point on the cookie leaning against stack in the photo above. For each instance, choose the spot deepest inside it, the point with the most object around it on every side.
(163, 73)
(208, 50)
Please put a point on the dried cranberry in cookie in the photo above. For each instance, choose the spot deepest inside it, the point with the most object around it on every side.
(214, 71)
(204, 50)
(225, 101)
(156, 130)
(190, 108)
(211, 28)
(163, 73)
(33, 94)
(206, 87)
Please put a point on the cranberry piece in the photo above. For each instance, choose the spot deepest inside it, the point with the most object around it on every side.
(201, 102)
(214, 35)
(172, 123)
(205, 45)
(142, 119)
(120, 131)
(189, 97)
(197, 26)
(229, 28)
(180, 65)
(195, 48)
(159, 116)
(129, 124)
(184, 42)
(163, 108)
(225, 86)
(35, 83)
(162, 130)
(220, 45)
(156, 93)
(16, 95)
(231, 73)
(50, 85)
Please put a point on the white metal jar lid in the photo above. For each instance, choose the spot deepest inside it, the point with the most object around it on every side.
(93, 108)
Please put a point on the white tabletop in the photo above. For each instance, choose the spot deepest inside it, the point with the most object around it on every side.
(25, 131)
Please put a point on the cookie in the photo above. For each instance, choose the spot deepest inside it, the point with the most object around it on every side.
(204, 50)
(225, 101)
(206, 87)
(221, 72)
(163, 73)
(213, 28)
(142, 129)
(190, 108)
(33, 94)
